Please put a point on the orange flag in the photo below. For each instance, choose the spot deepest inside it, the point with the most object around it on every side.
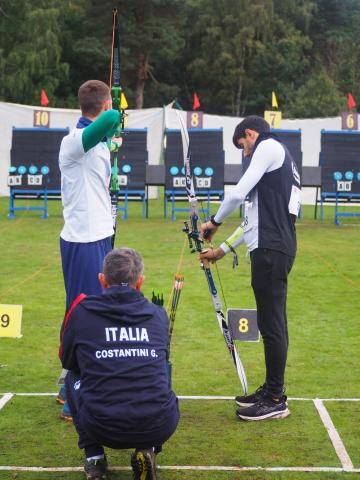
(44, 99)
(351, 101)
(196, 103)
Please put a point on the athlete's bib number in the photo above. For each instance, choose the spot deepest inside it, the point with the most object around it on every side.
(249, 216)
(295, 200)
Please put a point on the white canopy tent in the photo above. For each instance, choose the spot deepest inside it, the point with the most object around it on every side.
(154, 119)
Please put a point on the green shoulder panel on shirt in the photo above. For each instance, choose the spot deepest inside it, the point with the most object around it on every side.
(103, 126)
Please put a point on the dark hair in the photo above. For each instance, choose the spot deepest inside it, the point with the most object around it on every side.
(253, 122)
(122, 266)
(92, 96)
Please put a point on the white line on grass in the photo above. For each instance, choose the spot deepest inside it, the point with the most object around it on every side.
(35, 394)
(340, 450)
(202, 397)
(215, 397)
(295, 399)
(339, 399)
(264, 469)
(5, 399)
(334, 436)
(190, 468)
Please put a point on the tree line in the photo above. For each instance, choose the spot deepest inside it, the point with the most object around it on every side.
(232, 53)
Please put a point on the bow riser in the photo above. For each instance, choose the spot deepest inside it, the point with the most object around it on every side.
(212, 288)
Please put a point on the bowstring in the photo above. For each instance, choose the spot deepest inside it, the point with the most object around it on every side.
(221, 286)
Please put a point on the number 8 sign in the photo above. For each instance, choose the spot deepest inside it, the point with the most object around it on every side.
(194, 120)
(243, 324)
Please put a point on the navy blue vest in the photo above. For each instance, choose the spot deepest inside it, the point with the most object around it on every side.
(276, 223)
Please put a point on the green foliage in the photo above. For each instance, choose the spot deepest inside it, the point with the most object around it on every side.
(221, 44)
(232, 53)
(318, 97)
(150, 38)
(279, 66)
(153, 38)
(31, 55)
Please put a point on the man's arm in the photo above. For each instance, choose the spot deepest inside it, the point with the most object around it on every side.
(104, 126)
(235, 239)
(67, 343)
(268, 156)
(229, 245)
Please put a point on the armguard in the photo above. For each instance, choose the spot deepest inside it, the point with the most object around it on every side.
(104, 126)
(235, 239)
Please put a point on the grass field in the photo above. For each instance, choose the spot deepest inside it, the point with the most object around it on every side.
(324, 359)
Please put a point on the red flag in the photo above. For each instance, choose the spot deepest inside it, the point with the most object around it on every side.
(196, 103)
(351, 101)
(44, 99)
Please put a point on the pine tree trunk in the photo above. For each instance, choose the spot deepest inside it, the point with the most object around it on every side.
(239, 109)
(142, 75)
(238, 98)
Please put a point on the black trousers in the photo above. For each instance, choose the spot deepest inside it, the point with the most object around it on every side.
(269, 273)
(92, 441)
(91, 446)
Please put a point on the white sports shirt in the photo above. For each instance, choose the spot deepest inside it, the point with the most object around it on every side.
(84, 190)
(269, 157)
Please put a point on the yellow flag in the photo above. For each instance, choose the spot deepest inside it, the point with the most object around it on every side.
(123, 102)
(274, 102)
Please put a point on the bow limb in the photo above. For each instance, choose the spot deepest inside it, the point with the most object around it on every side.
(195, 243)
(119, 104)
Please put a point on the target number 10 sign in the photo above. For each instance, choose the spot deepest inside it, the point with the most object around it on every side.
(10, 320)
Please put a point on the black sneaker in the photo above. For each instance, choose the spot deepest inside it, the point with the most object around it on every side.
(96, 469)
(266, 407)
(144, 465)
(249, 400)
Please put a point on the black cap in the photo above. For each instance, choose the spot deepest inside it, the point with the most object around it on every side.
(253, 122)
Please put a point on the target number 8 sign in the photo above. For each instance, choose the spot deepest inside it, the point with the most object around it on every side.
(243, 325)
(194, 120)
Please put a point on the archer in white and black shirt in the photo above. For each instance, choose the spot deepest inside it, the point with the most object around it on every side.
(270, 188)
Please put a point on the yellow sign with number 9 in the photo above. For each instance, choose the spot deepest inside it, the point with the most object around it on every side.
(10, 320)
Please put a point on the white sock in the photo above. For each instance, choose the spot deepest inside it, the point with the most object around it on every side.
(96, 457)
